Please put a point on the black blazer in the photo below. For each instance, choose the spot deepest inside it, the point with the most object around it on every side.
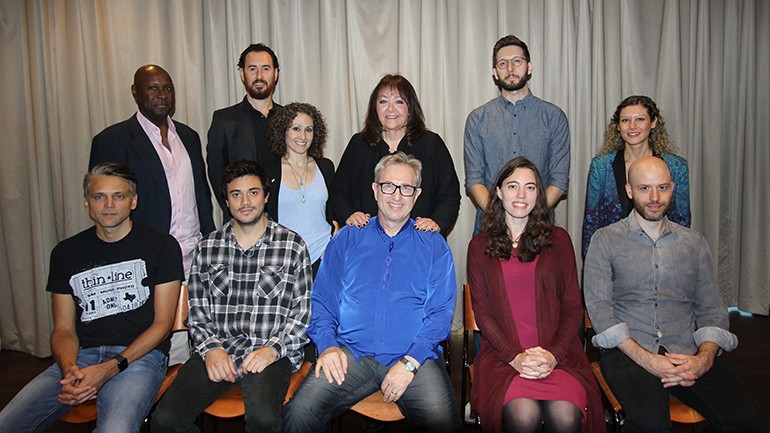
(273, 172)
(126, 143)
(237, 132)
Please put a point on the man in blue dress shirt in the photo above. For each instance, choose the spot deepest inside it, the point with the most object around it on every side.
(382, 302)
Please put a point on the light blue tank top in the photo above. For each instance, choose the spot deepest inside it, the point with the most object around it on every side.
(308, 218)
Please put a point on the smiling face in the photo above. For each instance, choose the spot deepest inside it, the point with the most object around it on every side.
(299, 136)
(518, 194)
(650, 187)
(392, 110)
(635, 125)
(259, 75)
(109, 202)
(153, 93)
(246, 200)
(394, 209)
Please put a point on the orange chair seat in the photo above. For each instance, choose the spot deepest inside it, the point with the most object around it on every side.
(374, 407)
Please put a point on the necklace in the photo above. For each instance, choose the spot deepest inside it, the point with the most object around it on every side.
(516, 242)
(300, 180)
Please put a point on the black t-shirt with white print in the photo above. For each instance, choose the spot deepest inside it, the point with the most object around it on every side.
(113, 283)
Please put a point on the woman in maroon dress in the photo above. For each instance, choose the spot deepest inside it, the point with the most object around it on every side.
(531, 368)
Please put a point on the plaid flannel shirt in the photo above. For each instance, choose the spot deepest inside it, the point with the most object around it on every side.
(241, 301)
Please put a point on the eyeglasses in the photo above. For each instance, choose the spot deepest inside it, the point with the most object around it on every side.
(390, 188)
(515, 61)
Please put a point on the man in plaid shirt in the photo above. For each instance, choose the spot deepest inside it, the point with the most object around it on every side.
(249, 310)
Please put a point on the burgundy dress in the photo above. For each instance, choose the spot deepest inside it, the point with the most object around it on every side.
(559, 385)
(558, 316)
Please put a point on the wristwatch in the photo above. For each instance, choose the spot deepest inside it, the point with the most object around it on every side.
(122, 362)
(410, 367)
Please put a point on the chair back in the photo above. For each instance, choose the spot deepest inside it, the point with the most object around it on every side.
(469, 318)
(181, 310)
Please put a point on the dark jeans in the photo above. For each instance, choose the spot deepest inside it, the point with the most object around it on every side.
(428, 402)
(192, 392)
(719, 395)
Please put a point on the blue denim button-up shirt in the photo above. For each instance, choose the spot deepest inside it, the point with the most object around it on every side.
(654, 292)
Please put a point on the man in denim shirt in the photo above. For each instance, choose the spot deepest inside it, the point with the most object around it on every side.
(515, 123)
(652, 296)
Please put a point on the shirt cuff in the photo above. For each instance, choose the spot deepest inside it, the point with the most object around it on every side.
(420, 352)
(726, 340)
(613, 336)
(207, 345)
(323, 343)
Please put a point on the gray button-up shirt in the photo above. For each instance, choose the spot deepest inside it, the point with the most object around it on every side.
(499, 131)
(654, 292)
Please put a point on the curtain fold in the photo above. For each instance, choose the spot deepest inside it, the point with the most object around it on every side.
(68, 68)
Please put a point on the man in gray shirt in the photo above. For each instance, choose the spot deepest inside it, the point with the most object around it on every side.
(653, 300)
(516, 123)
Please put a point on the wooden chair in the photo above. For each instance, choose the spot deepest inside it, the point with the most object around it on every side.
(678, 411)
(87, 413)
(469, 325)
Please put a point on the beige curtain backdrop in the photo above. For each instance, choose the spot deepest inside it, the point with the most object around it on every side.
(68, 66)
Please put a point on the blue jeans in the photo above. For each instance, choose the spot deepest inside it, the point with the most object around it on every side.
(122, 403)
(428, 402)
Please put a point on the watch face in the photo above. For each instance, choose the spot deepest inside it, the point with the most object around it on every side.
(409, 365)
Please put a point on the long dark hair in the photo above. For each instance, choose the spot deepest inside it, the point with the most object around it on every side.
(415, 124)
(537, 232)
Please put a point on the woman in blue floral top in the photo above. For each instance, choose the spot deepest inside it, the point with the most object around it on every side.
(636, 129)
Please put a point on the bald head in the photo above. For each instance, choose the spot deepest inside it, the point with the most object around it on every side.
(650, 187)
(153, 93)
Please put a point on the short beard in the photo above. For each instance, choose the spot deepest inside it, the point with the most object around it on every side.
(639, 208)
(263, 94)
(513, 86)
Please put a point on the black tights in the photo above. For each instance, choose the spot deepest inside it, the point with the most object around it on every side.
(526, 415)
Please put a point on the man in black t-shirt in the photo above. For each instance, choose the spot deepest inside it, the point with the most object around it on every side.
(114, 291)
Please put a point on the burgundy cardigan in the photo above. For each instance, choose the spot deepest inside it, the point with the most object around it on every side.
(559, 318)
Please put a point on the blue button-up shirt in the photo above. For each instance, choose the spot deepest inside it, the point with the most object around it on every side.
(499, 131)
(384, 296)
(654, 292)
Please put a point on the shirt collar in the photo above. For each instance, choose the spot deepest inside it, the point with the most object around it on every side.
(526, 100)
(409, 224)
(632, 226)
(148, 125)
(266, 238)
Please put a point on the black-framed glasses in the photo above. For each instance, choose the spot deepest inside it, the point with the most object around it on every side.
(390, 188)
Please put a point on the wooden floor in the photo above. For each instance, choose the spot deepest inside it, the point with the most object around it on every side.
(751, 360)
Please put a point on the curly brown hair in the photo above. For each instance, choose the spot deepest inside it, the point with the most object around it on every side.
(415, 125)
(281, 121)
(537, 232)
(659, 140)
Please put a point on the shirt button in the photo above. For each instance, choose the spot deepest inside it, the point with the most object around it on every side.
(656, 266)
(660, 334)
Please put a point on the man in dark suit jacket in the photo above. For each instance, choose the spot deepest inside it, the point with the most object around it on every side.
(128, 143)
(238, 132)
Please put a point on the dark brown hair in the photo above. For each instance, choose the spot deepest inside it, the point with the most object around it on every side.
(281, 121)
(537, 232)
(415, 124)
